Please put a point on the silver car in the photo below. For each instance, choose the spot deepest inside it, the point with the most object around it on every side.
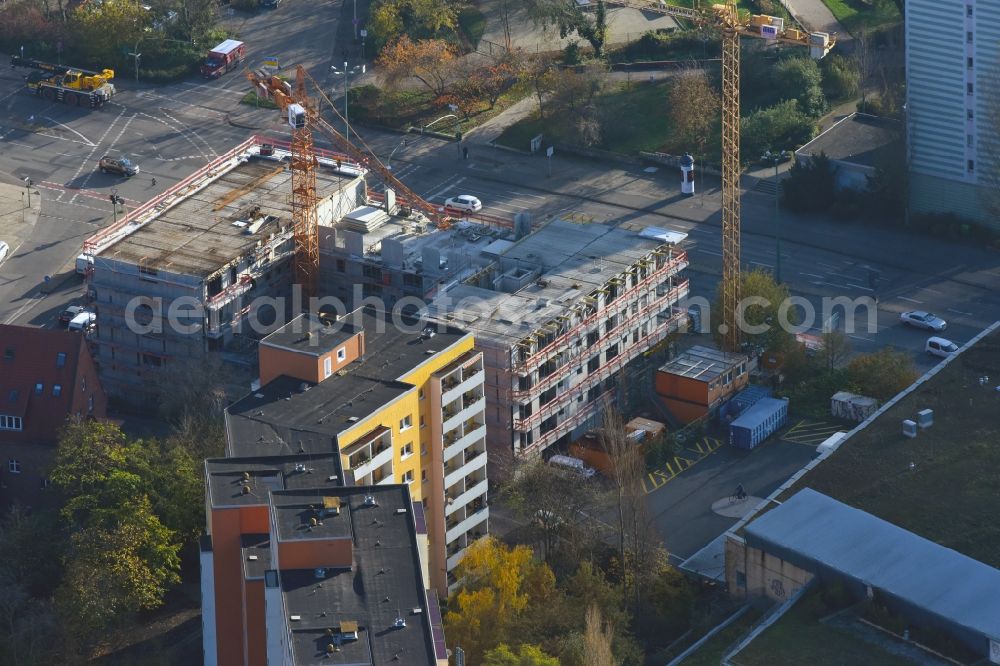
(925, 320)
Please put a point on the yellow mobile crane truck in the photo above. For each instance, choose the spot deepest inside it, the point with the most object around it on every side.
(69, 85)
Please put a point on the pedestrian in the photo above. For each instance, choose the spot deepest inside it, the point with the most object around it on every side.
(154, 181)
(465, 152)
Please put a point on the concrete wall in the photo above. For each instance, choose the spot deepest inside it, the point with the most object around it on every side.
(754, 574)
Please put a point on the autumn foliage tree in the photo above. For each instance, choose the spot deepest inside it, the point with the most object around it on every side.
(881, 374)
(432, 62)
(693, 107)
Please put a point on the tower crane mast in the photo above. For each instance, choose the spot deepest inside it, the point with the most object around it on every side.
(733, 24)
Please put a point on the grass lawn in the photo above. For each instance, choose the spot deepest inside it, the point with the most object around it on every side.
(857, 15)
(472, 23)
(950, 494)
(252, 99)
(799, 638)
(710, 654)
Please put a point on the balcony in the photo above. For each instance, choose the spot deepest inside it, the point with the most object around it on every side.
(472, 518)
(235, 290)
(461, 442)
(460, 382)
(381, 457)
(455, 471)
(456, 500)
(455, 417)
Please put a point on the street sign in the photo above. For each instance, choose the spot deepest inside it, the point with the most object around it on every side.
(364, 33)
(272, 62)
(536, 143)
(549, 151)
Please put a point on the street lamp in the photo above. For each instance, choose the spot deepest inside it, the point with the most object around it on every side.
(357, 69)
(388, 160)
(776, 158)
(27, 186)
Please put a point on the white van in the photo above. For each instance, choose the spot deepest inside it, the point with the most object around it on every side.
(571, 464)
(940, 347)
(85, 321)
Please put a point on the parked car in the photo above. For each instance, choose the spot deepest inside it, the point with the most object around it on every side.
(941, 347)
(572, 465)
(4, 251)
(464, 202)
(925, 320)
(85, 322)
(67, 315)
(118, 165)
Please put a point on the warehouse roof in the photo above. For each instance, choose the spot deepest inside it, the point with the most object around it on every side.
(814, 531)
(702, 364)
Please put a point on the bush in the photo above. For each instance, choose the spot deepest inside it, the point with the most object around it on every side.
(840, 77)
(166, 75)
(662, 45)
(776, 128)
(800, 79)
(811, 186)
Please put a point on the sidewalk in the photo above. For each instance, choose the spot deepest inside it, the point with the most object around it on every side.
(815, 16)
(17, 219)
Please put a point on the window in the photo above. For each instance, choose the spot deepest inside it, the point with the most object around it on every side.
(423, 449)
(968, 88)
(56, 390)
(60, 359)
(971, 166)
(968, 37)
(12, 396)
(14, 466)
(90, 404)
(340, 266)
(39, 388)
(10, 422)
(969, 115)
(968, 11)
(406, 422)
(423, 422)
(969, 62)
(407, 450)
(45, 483)
(8, 354)
(83, 384)
(327, 367)
(423, 475)
(968, 141)
(420, 394)
(372, 272)
(408, 476)
(341, 354)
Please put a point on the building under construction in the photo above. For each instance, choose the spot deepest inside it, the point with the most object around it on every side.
(557, 315)
(207, 248)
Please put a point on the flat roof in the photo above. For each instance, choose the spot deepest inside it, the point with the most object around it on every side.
(227, 477)
(815, 531)
(943, 484)
(256, 551)
(201, 232)
(856, 139)
(703, 364)
(307, 334)
(556, 266)
(385, 583)
(312, 513)
(291, 416)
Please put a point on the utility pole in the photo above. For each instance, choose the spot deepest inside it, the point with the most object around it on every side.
(136, 55)
(347, 73)
(777, 229)
(27, 186)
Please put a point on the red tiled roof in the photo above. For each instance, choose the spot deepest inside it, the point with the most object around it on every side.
(28, 358)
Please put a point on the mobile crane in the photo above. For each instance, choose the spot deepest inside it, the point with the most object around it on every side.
(69, 85)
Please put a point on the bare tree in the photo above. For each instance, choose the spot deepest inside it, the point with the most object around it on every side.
(836, 349)
(636, 544)
(694, 105)
(864, 59)
(503, 9)
(597, 638)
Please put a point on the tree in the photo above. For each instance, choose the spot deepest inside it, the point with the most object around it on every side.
(569, 17)
(775, 128)
(432, 62)
(989, 172)
(864, 61)
(105, 27)
(693, 106)
(811, 185)
(597, 637)
(840, 77)
(762, 299)
(835, 350)
(525, 655)
(881, 374)
(497, 583)
(503, 8)
(420, 19)
(801, 80)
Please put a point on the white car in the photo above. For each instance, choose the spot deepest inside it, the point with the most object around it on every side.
(921, 319)
(83, 322)
(464, 202)
(4, 251)
(941, 347)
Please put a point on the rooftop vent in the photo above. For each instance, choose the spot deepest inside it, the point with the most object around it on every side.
(925, 418)
(400, 510)
(428, 332)
(399, 623)
(252, 558)
(430, 352)
(909, 429)
(294, 618)
(417, 611)
(319, 573)
(246, 476)
(300, 467)
(352, 419)
(370, 500)
(303, 386)
(245, 490)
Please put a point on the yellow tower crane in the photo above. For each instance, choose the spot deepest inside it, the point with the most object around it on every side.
(303, 116)
(733, 24)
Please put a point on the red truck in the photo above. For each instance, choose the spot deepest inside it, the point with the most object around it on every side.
(224, 57)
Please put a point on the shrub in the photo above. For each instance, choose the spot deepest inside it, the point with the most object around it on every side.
(166, 75)
(775, 128)
(840, 77)
(811, 186)
(663, 45)
(800, 79)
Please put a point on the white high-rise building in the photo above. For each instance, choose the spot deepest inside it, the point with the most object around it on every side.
(953, 106)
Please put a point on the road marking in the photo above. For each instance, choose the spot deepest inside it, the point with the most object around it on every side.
(86, 141)
(858, 286)
(525, 194)
(761, 263)
(701, 249)
(446, 186)
(33, 299)
(90, 155)
(934, 291)
(911, 300)
(967, 314)
(818, 277)
(657, 478)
